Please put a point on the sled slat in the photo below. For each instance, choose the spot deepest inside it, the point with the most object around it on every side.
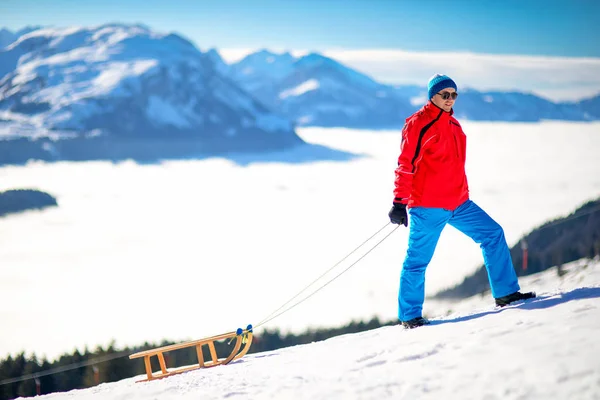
(213, 352)
(148, 367)
(200, 355)
(161, 361)
(235, 354)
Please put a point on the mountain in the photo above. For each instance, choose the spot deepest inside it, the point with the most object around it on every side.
(591, 107)
(259, 74)
(7, 37)
(315, 90)
(121, 91)
(18, 200)
(514, 106)
(261, 69)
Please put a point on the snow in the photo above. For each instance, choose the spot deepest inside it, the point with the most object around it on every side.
(78, 73)
(265, 63)
(418, 100)
(71, 78)
(311, 84)
(305, 119)
(313, 60)
(113, 74)
(556, 78)
(541, 349)
(227, 223)
(163, 112)
(28, 129)
(336, 107)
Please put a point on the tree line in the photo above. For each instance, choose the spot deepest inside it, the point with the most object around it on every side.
(17, 200)
(118, 365)
(553, 244)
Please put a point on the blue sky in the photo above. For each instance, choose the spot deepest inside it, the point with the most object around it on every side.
(524, 27)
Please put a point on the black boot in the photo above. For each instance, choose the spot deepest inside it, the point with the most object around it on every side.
(414, 323)
(516, 296)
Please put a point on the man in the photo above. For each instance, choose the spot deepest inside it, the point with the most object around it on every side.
(431, 183)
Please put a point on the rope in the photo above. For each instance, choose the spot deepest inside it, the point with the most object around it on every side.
(322, 275)
(276, 313)
(271, 317)
(65, 368)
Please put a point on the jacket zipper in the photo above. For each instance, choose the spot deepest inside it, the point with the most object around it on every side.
(455, 142)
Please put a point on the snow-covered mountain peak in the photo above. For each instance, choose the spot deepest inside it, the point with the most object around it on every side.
(7, 37)
(316, 59)
(127, 80)
(6, 33)
(105, 41)
(61, 66)
(318, 90)
(324, 65)
(220, 65)
(264, 63)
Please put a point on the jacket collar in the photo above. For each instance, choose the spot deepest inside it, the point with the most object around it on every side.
(434, 111)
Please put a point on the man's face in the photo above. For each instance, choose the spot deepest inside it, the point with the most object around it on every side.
(447, 103)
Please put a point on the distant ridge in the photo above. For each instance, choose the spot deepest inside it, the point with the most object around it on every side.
(18, 200)
(125, 92)
(315, 90)
(556, 242)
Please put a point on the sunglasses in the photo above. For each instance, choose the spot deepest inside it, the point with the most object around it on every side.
(447, 95)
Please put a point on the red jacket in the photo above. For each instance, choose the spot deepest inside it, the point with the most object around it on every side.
(431, 166)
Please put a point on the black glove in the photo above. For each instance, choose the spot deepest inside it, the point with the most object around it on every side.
(398, 214)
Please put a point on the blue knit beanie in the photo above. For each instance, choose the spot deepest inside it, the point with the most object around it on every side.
(439, 82)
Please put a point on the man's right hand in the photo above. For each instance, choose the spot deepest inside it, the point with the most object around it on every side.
(398, 214)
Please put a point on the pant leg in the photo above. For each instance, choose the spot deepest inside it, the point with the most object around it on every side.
(471, 220)
(426, 225)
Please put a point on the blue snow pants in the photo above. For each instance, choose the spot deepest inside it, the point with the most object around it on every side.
(426, 225)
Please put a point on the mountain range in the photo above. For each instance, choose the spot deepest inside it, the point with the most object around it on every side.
(125, 91)
(315, 90)
(120, 91)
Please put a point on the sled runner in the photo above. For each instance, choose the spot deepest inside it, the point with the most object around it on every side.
(241, 337)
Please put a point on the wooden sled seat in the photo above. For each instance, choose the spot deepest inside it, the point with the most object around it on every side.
(241, 337)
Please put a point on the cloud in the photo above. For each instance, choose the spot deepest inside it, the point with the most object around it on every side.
(556, 78)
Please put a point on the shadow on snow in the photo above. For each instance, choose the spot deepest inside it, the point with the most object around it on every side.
(300, 154)
(538, 303)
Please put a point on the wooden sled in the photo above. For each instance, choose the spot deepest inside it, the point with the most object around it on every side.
(240, 336)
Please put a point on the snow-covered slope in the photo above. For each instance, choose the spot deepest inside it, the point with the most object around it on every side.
(257, 71)
(546, 348)
(120, 84)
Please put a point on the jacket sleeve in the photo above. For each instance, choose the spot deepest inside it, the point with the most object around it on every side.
(411, 153)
